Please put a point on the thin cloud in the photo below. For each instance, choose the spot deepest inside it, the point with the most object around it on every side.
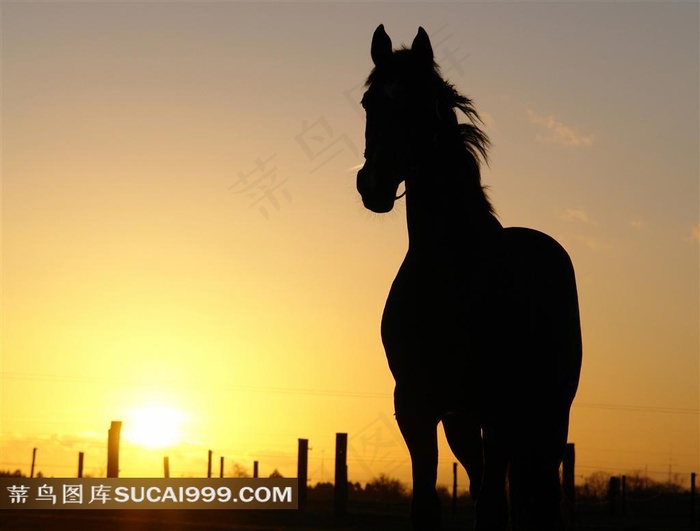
(575, 214)
(638, 223)
(594, 244)
(695, 233)
(559, 133)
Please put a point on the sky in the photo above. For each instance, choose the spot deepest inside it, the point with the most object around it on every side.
(184, 250)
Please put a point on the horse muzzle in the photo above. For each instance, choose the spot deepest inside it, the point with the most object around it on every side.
(376, 195)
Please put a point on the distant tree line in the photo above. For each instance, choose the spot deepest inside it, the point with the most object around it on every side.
(385, 489)
(382, 489)
(597, 486)
(17, 474)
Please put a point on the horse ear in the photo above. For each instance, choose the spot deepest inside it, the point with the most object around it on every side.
(421, 46)
(381, 46)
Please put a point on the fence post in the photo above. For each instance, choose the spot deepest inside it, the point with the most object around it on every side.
(81, 458)
(113, 436)
(623, 499)
(568, 475)
(166, 467)
(209, 464)
(31, 474)
(221, 467)
(341, 473)
(302, 471)
(454, 489)
(693, 475)
(255, 469)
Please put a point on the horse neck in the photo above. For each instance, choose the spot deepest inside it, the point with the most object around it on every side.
(446, 209)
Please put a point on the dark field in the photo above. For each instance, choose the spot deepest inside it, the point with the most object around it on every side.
(360, 517)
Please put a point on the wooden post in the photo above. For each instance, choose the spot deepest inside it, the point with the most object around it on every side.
(81, 458)
(302, 471)
(454, 489)
(113, 436)
(255, 469)
(623, 498)
(221, 467)
(209, 464)
(166, 467)
(693, 475)
(31, 474)
(613, 494)
(341, 473)
(568, 487)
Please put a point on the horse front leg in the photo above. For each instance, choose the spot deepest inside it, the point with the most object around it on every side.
(419, 431)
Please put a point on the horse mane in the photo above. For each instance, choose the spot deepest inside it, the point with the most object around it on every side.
(474, 140)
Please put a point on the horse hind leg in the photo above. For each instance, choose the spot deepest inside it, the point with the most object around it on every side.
(492, 504)
(535, 494)
(535, 487)
(463, 435)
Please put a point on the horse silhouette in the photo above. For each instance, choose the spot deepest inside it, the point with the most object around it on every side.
(481, 326)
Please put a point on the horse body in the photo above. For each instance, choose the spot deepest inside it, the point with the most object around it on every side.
(481, 325)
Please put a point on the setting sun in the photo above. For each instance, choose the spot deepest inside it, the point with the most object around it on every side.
(154, 427)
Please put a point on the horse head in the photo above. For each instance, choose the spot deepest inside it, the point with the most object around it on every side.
(400, 105)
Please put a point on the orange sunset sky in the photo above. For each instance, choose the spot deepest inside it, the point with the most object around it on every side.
(183, 248)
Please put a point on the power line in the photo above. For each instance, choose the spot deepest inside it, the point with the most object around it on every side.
(313, 392)
(179, 385)
(644, 409)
